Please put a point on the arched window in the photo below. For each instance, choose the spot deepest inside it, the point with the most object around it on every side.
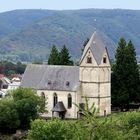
(43, 98)
(55, 99)
(69, 101)
(43, 95)
(104, 59)
(89, 59)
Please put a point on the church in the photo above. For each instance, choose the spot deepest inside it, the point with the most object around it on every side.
(64, 86)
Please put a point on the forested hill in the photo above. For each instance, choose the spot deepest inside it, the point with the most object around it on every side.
(29, 34)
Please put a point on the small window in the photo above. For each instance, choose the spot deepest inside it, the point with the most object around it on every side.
(104, 60)
(49, 82)
(89, 60)
(67, 83)
(55, 99)
(69, 101)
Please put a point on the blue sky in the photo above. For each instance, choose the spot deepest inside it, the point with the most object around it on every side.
(6, 5)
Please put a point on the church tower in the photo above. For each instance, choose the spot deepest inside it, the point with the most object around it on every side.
(95, 74)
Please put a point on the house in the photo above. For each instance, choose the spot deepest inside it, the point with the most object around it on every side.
(15, 83)
(64, 85)
(4, 82)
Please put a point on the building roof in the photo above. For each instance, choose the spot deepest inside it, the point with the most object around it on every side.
(59, 107)
(51, 77)
(97, 45)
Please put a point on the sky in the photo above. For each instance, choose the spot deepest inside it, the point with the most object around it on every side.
(8, 5)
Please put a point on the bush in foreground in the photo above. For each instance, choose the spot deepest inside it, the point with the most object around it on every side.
(123, 127)
(18, 110)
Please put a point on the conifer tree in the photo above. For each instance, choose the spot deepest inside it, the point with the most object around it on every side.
(65, 58)
(132, 76)
(125, 76)
(54, 56)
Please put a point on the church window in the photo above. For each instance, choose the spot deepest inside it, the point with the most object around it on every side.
(55, 99)
(43, 97)
(69, 101)
(89, 59)
(67, 83)
(104, 60)
(49, 82)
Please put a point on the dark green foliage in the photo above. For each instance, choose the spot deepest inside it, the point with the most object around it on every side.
(60, 58)
(9, 119)
(64, 56)
(26, 104)
(17, 110)
(125, 76)
(8, 68)
(20, 68)
(54, 56)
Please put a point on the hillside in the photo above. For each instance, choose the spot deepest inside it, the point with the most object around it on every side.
(29, 34)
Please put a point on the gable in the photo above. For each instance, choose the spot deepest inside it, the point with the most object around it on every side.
(88, 59)
(105, 59)
(97, 46)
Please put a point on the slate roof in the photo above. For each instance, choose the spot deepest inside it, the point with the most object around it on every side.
(97, 46)
(51, 77)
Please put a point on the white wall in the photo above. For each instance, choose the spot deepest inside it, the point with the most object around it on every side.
(62, 96)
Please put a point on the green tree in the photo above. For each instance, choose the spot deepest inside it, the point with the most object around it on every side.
(133, 76)
(20, 68)
(27, 104)
(65, 58)
(54, 56)
(9, 119)
(125, 76)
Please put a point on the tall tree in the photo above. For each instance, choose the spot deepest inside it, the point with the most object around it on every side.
(125, 76)
(54, 56)
(65, 58)
(133, 76)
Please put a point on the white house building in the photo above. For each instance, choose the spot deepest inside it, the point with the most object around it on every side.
(65, 85)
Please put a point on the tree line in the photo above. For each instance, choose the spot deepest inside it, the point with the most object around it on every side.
(8, 68)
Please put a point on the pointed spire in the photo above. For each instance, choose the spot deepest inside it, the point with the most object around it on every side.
(97, 46)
